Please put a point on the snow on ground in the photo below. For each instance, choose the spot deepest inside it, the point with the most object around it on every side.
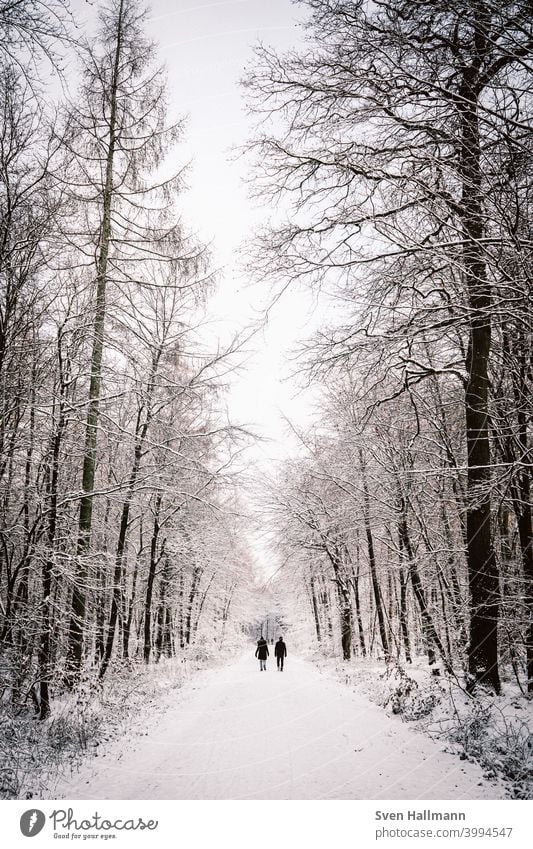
(237, 733)
(496, 732)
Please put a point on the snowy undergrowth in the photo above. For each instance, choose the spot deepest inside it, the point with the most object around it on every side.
(33, 753)
(494, 731)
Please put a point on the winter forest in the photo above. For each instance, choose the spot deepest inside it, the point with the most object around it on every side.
(147, 535)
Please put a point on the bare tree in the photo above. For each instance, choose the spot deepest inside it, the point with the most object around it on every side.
(389, 122)
(117, 134)
(32, 31)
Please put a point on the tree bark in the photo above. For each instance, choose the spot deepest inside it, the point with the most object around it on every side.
(482, 567)
(403, 617)
(315, 609)
(154, 560)
(75, 650)
(45, 636)
(372, 562)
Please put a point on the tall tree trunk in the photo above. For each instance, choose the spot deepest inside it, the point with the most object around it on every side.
(358, 614)
(525, 532)
(314, 604)
(403, 617)
(167, 647)
(129, 612)
(75, 648)
(482, 567)
(326, 604)
(181, 610)
(372, 562)
(196, 576)
(357, 598)
(345, 619)
(522, 498)
(45, 636)
(99, 641)
(163, 619)
(154, 560)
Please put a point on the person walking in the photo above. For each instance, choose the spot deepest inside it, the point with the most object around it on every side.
(262, 653)
(280, 651)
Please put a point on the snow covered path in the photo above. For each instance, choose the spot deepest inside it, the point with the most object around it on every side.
(236, 733)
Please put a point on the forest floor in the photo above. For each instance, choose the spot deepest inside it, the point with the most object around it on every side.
(233, 732)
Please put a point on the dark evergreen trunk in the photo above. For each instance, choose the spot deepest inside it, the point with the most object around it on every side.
(521, 494)
(482, 567)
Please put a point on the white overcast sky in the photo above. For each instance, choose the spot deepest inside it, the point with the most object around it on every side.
(206, 47)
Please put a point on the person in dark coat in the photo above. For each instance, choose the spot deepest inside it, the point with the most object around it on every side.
(262, 653)
(280, 651)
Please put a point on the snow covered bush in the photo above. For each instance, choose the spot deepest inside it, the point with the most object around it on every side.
(33, 752)
(493, 735)
(408, 698)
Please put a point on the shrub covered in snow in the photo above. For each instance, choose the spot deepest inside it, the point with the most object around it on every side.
(494, 732)
(407, 698)
(32, 753)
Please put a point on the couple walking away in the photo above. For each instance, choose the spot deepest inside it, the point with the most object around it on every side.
(261, 652)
